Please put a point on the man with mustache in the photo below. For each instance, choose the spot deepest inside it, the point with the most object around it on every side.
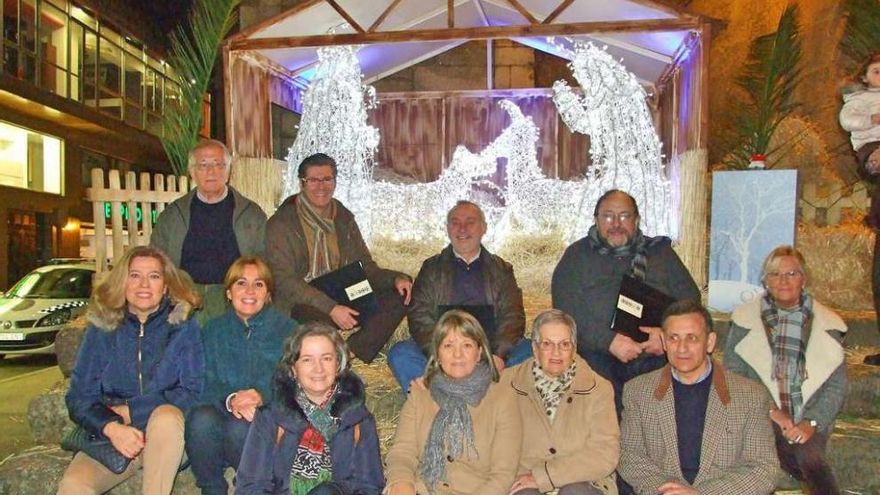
(586, 283)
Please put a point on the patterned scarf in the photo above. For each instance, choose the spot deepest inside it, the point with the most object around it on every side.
(312, 464)
(637, 248)
(321, 237)
(788, 331)
(551, 388)
(452, 432)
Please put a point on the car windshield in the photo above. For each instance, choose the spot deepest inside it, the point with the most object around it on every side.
(63, 283)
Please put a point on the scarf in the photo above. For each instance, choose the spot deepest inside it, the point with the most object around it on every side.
(637, 248)
(321, 237)
(312, 464)
(551, 388)
(788, 331)
(452, 432)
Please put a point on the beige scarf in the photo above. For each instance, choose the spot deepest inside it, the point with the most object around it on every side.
(321, 238)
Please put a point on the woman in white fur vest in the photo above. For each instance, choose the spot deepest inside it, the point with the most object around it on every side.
(794, 346)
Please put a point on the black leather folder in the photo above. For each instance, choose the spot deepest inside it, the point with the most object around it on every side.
(638, 305)
(348, 286)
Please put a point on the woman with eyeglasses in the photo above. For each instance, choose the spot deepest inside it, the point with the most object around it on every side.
(312, 234)
(571, 440)
(793, 344)
(459, 434)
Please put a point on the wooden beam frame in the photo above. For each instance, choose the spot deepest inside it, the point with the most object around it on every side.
(379, 20)
(478, 33)
(450, 13)
(349, 19)
(558, 10)
(523, 11)
(265, 23)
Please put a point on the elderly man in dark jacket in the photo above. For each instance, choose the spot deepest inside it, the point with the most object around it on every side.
(463, 274)
(586, 283)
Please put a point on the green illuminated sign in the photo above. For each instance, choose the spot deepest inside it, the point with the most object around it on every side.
(138, 213)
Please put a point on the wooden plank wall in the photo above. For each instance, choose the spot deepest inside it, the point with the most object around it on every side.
(251, 120)
(420, 131)
(681, 105)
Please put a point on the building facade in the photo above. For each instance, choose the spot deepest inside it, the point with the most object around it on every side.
(79, 88)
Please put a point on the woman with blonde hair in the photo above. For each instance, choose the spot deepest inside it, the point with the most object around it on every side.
(138, 370)
(793, 345)
(461, 433)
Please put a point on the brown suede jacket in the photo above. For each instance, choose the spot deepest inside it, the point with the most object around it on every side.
(288, 256)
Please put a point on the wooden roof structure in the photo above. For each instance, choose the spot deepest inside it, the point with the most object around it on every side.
(647, 35)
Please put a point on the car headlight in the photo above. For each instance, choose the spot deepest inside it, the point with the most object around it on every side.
(56, 318)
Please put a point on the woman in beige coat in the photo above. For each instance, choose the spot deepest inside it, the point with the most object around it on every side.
(460, 434)
(571, 440)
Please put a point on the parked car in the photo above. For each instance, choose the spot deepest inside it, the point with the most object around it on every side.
(37, 306)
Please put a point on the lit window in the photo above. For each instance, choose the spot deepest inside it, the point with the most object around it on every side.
(30, 160)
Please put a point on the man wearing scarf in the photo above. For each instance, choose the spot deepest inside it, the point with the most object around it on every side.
(311, 234)
(693, 427)
(587, 280)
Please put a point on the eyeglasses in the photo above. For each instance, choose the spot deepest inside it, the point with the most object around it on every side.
(792, 274)
(212, 165)
(624, 217)
(549, 346)
(314, 181)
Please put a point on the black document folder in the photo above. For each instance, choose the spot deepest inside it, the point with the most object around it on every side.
(638, 305)
(484, 313)
(348, 286)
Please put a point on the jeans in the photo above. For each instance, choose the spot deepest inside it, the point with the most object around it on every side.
(214, 441)
(408, 363)
(327, 488)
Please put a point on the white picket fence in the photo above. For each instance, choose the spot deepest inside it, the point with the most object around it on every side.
(150, 193)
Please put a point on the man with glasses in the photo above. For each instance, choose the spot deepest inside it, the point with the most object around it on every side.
(693, 427)
(312, 234)
(570, 439)
(207, 229)
(464, 275)
(586, 283)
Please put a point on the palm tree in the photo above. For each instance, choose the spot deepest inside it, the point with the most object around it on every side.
(194, 48)
(770, 76)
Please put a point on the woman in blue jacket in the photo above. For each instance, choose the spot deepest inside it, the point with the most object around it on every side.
(138, 370)
(317, 437)
(242, 348)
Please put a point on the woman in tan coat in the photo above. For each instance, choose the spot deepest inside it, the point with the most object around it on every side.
(571, 441)
(460, 434)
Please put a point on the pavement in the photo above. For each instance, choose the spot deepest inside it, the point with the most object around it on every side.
(22, 379)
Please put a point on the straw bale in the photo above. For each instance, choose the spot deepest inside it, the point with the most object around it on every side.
(533, 259)
(839, 264)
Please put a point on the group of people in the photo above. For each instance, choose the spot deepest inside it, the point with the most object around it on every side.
(259, 379)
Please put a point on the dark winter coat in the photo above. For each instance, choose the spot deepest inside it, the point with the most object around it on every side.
(357, 465)
(142, 365)
(239, 356)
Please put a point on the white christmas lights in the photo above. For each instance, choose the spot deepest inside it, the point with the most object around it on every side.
(624, 147)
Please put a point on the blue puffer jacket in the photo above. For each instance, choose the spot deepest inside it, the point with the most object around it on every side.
(144, 366)
(357, 465)
(239, 356)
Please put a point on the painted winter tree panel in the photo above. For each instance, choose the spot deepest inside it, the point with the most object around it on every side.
(752, 213)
